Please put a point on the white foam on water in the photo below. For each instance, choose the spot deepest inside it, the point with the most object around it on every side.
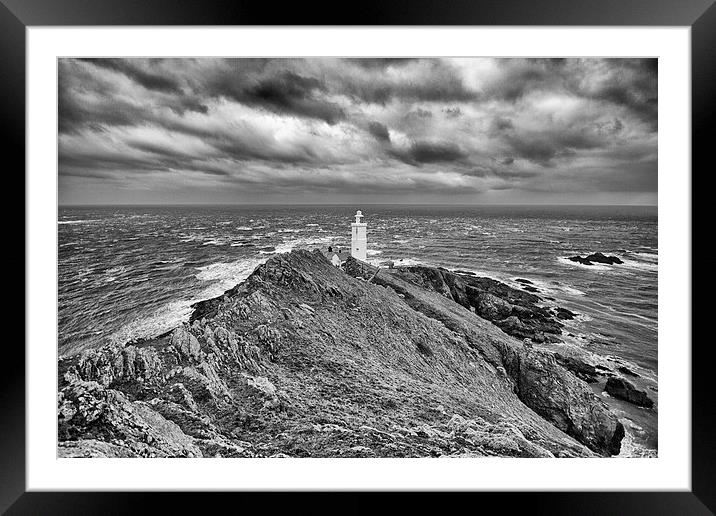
(631, 449)
(162, 320)
(308, 242)
(646, 256)
(78, 221)
(553, 287)
(373, 252)
(594, 267)
(407, 262)
(643, 266)
(226, 274)
(222, 276)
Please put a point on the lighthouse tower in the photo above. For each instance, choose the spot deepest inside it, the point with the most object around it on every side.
(359, 242)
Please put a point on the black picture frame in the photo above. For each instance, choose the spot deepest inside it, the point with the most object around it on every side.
(700, 15)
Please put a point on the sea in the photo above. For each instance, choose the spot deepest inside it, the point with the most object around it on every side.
(126, 272)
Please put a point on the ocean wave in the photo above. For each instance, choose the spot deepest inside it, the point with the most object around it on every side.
(79, 221)
(594, 267)
(290, 245)
(552, 287)
(643, 266)
(162, 320)
(221, 275)
(408, 262)
(632, 449)
(646, 256)
(373, 252)
(228, 273)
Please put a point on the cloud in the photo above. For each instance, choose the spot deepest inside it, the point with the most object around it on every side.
(413, 128)
(379, 131)
(286, 93)
(134, 70)
(436, 151)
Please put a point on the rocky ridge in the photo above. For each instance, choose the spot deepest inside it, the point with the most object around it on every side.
(303, 359)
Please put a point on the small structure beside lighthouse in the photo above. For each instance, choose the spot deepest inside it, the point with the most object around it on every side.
(359, 241)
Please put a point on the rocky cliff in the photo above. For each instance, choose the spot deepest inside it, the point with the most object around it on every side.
(305, 359)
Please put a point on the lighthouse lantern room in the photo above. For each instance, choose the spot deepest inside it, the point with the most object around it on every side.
(359, 241)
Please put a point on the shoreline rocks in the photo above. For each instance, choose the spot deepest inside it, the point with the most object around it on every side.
(596, 258)
(625, 390)
(514, 311)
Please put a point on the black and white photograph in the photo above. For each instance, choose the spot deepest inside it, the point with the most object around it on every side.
(357, 257)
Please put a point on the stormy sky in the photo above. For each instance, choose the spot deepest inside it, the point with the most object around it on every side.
(336, 131)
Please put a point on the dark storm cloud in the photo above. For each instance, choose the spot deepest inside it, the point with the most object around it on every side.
(145, 78)
(379, 131)
(381, 62)
(421, 152)
(286, 92)
(411, 127)
(630, 83)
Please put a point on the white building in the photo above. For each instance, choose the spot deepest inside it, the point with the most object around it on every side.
(359, 240)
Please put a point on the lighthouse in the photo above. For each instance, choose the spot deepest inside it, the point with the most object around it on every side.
(359, 242)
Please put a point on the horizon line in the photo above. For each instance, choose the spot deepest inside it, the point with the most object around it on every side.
(85, 205)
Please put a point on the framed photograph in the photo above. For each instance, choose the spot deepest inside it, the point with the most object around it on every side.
(443, 248)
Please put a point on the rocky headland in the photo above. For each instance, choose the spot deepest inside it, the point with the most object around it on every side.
(304, 359)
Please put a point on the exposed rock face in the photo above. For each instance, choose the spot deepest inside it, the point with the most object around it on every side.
(596, 258)
(514, 311)
(303, 359)
(581, 369)
(625, 390)
(563, 400)
(89, 411)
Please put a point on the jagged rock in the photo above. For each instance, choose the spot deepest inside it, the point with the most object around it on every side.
(204, 384)
(564, 314)
(488, 298)
(91, 411)
(262, 385)
(114, 363)
(596, 258)
(488, 305)
(580, 368)
(186, 344)
(625, 390)
(85, 448)
(627, 371)
(562, 399)
(181, 395)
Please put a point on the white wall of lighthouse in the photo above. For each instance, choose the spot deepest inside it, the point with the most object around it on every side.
(359, 240)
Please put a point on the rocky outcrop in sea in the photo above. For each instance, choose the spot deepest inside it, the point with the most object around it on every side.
(593, 258)
(304, 359)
